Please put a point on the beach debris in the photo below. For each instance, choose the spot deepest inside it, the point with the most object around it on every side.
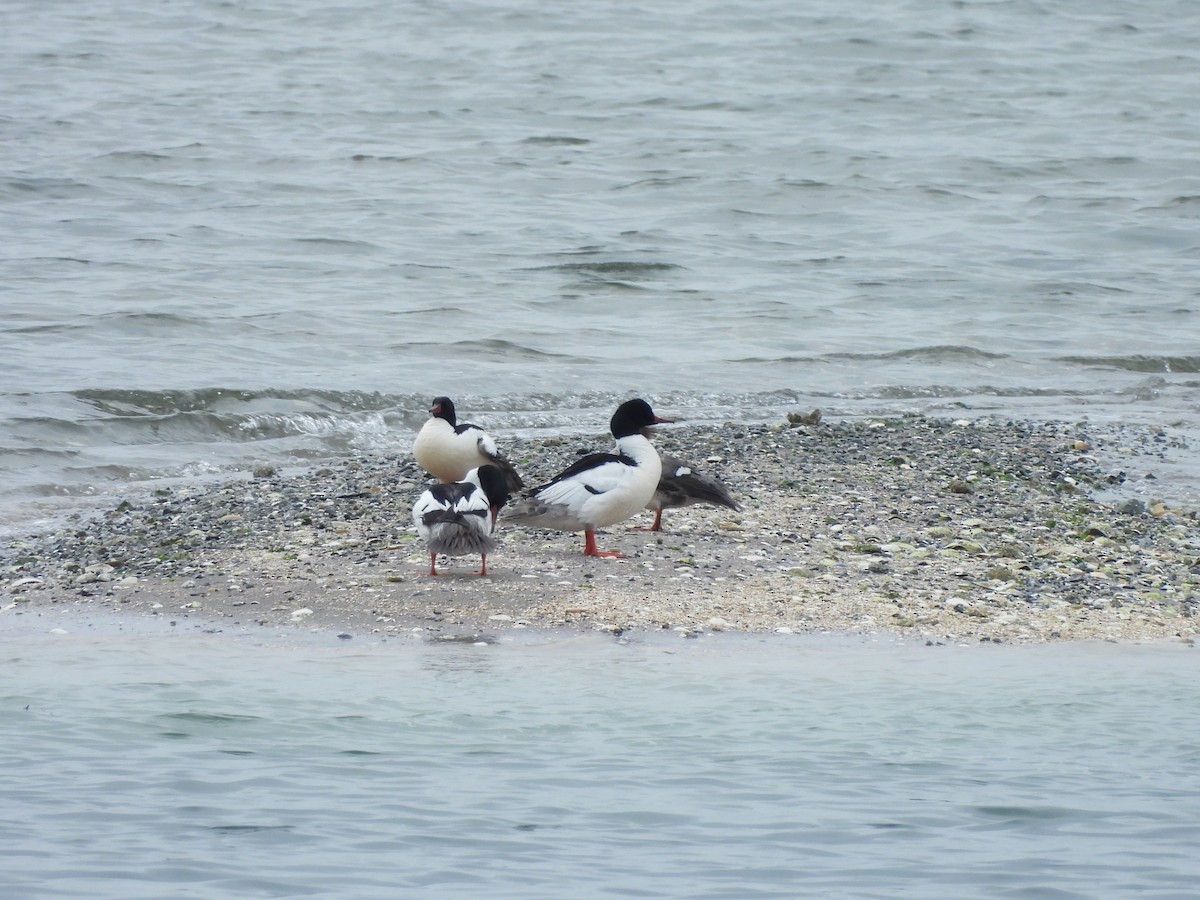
(809, 418)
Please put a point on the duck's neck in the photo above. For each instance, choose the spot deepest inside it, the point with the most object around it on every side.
(640, 450)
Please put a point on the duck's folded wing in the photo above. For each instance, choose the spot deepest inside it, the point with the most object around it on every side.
(596, 473)
(696, 488)
(487, 447)
(473, 509)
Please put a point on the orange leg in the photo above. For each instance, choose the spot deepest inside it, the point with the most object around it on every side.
(433, 564)
(482, 564)
(589, 546)
(657, 526)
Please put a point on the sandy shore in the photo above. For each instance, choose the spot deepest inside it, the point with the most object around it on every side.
(935, 529)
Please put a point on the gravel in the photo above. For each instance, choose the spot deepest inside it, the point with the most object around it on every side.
(1001, 531)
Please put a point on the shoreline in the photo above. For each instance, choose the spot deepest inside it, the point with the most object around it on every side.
(927, 529)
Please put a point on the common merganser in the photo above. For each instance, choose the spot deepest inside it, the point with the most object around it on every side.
(448, 450)
(681, 485)
(458, 518)
(599, 489)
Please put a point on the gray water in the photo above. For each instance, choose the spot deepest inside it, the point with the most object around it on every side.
(145, 763)
(236, 233)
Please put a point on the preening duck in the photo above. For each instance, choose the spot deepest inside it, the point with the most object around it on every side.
(458, 519)
(681, 485)
(599, 489)
(448, 450)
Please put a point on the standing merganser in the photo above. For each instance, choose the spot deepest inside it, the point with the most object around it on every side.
(600, 489)
(458, 519)
(448, 450)
(681, 485)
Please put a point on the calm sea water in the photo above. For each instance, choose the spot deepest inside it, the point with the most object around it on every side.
(236, 233)
(141, 763)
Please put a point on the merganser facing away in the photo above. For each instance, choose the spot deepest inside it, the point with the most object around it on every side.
(599, 489)
(458, 519)
(448, 450)
(681, 485)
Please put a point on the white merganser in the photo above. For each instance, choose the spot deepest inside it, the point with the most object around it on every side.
(458, 519)
(599, 489)
(681, 485)
(448, 450)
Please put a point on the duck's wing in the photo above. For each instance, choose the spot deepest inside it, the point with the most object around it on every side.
(680, 485)
(488, 449)
(560, 502)
(596, 473)
(472, 509)
(429, 506)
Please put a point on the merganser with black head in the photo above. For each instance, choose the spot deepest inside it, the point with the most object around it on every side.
(599, 489)
(458, 519)
(448, 450)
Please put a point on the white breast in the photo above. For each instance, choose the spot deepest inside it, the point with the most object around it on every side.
(446, 454)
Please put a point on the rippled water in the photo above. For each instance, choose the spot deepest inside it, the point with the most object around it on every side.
(239, 233)
(142, 763)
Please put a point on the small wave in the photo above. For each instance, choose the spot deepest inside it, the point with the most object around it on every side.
(371, 157)
(658, 182)
(333, 420)
(137, 156)
(77, 260)
(497, 348)
(51, 188)
(1139, 363)
(122, 402)
(806, 184)
(271, 426)
(338, 244)
(618, 267)
(52, 328)
(944, 391)
(39, 453)
(934, 353)
(611, 271)
(556, 140)
(937, 353)
(1071, 288)
(168, 320)
(210, 718)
